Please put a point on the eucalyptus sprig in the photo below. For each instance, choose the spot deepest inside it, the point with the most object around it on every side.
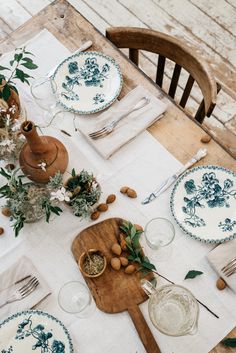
(20, 61)
(135, 250)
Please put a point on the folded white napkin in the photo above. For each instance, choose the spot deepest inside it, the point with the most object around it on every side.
(128, 128)
(20, 269)
(220, 256)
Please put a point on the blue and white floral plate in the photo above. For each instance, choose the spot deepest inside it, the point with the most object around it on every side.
(34, 331)
(88, 82)
(203, 203)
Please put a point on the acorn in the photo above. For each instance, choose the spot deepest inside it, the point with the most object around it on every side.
(111, 198)
(1, 230)
(220, 284)
(124, 189)
(6, 211)
(115, 263)
(95, 215)
(132, 193)
(124, 261)
(206, 138)
(103, 207)
(130, 269)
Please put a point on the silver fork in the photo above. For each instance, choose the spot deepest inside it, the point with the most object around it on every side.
(22, 292)
(230, 268)
(107, 129)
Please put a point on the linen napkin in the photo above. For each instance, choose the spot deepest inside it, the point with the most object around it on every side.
(20, 269)
(220, 256)
(128, 128)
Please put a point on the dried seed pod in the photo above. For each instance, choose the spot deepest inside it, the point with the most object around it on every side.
(1, 230)
(124, 261)
(124, 189)
(132, 193)
(220, 284)
(116, 249)
(111, 198)
(206, 139)
(138, 227)
(95, 215)
(130, 269)
(103, 207)
(115, 263)
(6, 211)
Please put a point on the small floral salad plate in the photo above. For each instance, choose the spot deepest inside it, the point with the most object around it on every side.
(88, 82)
(203, 203)
(34, 331)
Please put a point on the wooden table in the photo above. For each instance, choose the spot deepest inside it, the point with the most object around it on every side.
(176, 132)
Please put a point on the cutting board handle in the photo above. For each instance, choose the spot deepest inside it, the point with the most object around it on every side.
(143, 330)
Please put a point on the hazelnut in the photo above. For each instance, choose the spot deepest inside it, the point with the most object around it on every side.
(1, 230)
(115, 263)
(206, 139)
(102, 207)
(116, 249)
(130, 269)
(6, 211)
(131, 193)
(95, 215)
(138, 227)
(124, 189)
(111, 198)
(220, 284)
(124, 261)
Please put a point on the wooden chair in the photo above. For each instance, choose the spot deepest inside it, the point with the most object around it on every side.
(173, 49)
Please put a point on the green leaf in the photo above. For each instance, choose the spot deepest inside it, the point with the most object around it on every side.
(132, 232)
(14, 89)
(229, 342)
(12, 62)
(5, 174)
(148, 265)
(193, 274)
(18, 57)
(29, 53)
(21, 75)
(6, 92)
(73, 173)
(135, 240)
(3, 68)
(29, 64)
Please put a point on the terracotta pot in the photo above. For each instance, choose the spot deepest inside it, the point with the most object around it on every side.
(83, 257)
(40, 150)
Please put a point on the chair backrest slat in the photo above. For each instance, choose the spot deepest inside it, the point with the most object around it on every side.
(160, 70)
(187, 91)
(174, 81)
(183, 55)
(133, 55)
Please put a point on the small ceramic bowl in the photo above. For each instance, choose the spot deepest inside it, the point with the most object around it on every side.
(82, 259)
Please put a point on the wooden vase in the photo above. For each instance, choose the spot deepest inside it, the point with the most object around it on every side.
(41, 156)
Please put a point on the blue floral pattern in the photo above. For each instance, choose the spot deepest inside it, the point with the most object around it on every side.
(42, 339)
(227, 225)
(99, 98)
(90, 74)
(210, 193)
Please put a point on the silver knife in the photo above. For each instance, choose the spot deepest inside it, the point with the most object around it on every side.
(83, 47)
(168, 182)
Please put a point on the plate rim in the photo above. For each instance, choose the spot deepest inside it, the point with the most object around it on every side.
(190, 234)
(96, 53)
(43, 313)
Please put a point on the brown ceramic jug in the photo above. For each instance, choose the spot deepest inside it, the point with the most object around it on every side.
(41, 156)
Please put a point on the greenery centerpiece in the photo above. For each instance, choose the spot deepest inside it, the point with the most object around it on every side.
(83, 191)
(28, 202)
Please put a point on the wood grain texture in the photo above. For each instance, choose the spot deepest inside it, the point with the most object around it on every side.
(114, 291)
(176, 131)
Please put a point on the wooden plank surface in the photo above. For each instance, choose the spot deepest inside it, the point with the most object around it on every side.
(179, 134)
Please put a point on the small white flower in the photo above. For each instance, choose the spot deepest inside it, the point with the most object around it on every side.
(43, 166)
(12, 109)
(60, 195)
(16, 126)
(8, 120)
(9, 144)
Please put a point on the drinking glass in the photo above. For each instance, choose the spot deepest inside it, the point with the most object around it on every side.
(159, 234)
(44, 91)
(75, 298)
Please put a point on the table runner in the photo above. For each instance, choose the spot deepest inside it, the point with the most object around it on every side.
(49, 245)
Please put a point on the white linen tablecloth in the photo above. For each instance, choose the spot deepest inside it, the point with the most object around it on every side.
(48, 246)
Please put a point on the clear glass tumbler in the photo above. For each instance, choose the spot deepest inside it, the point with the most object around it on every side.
(159, 234)
(75, 298)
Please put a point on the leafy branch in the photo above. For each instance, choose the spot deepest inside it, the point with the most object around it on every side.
(20, 61)
(135, 250)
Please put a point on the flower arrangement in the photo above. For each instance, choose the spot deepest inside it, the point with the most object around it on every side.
(83, 192)
(27, 201)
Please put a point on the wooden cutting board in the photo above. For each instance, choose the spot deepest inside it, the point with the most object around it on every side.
(114, 291)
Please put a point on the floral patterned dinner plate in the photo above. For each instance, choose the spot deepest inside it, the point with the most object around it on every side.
(203, 203)
(88, 82)
(34, 331)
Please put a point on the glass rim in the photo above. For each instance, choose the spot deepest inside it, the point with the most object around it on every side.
(84, 306)
(160, 219)
(44, 79)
